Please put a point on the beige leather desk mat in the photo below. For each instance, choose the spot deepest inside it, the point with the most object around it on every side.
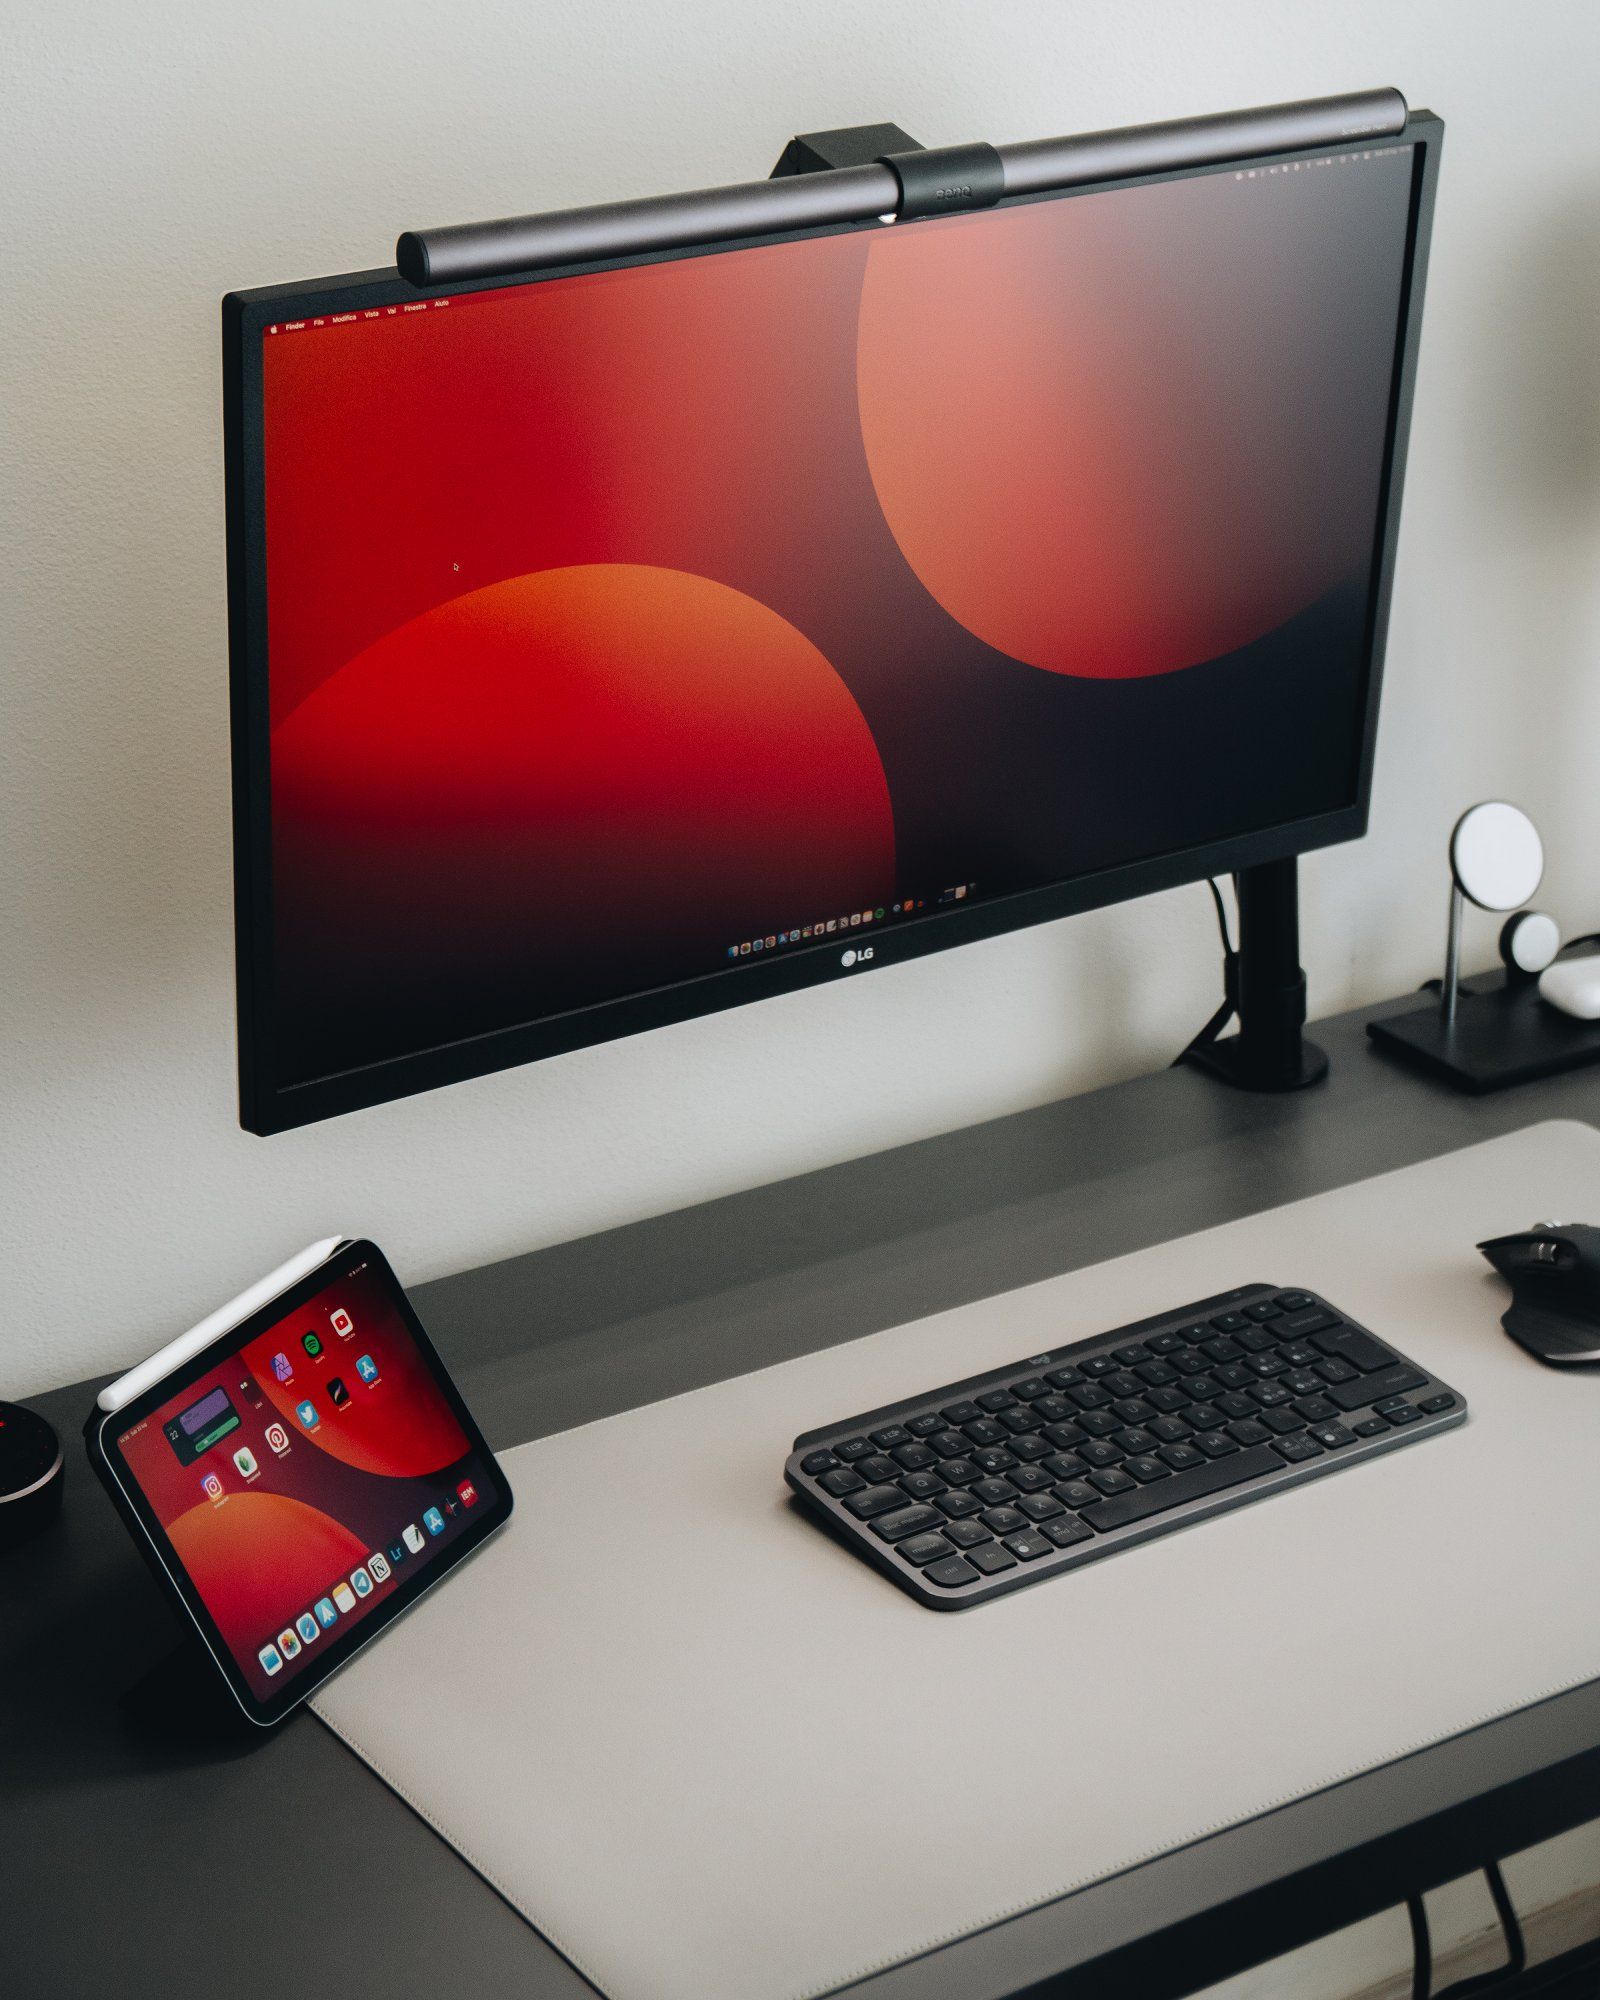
(713, 1756)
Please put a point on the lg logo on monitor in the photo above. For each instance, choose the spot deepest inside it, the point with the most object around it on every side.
(856, 957)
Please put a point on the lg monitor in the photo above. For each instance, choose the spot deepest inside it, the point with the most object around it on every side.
(626, 640)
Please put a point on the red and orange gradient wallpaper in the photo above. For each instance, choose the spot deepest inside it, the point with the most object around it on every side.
(619, 618)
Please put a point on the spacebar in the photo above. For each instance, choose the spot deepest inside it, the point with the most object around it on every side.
(1161, 1494)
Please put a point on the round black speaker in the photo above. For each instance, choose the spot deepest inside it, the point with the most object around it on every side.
(30, 1474)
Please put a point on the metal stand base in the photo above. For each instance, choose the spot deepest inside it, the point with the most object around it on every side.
(1266, 989)
(1500, 1033)
(1229, 1062)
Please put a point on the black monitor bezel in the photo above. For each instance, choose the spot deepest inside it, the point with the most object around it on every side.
(267, 1105)
(106, 1429)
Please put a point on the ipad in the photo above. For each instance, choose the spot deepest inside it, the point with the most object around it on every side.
(303, 1478)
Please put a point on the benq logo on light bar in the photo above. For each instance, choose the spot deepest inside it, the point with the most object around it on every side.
(856, 957)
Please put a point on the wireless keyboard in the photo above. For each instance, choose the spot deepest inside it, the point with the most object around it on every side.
(1024, 1472)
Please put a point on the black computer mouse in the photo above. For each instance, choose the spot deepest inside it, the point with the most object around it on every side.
(1554, 1271)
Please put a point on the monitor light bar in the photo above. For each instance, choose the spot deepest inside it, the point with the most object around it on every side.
(898, 186)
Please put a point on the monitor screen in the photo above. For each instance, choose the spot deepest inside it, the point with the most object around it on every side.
(620, 633)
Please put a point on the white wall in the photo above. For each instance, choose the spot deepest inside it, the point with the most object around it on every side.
(154, 156)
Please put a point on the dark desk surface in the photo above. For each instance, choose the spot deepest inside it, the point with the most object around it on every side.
(143, 1858)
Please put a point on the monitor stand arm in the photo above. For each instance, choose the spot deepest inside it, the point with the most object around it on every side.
(1266, 989)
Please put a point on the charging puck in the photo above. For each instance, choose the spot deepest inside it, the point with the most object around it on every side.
(30, 1474)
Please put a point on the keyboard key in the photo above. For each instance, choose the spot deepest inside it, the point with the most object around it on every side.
(966, 1534)
(1121, 1382)
(1265, 1309)
(985, 1431)
(1212, 1477)
(1236, 1404)
(1052, 1409)
(1028, 1546)
(1088, 1396)
(1098, 1423)
(948, 1444)
(1309, 1319)
(920, 1549)
(878, 1468)
(1040, 1506)
(991, 1559)
(1028, 1478)
(1079, 1493)
(817, 1462)
(1131, 1355)
(1270, 1395)
(890, 1436)
(1063, 1378)
(875, 1500)
(1145, 1468)
(1289, 1302)
(1181, 1457)
(1067, 1532)
(1297, 1448)
(1186, 1336)
(1336, 1371)
(1111, 1480)
(1298, 1354)
(1331, 1436)
(1168, 1400)
(1215, 1444)
(1029, 1448)
(1371, 1427)
(1099, 1364)
(923, 1426)
(908, 1521)
(957, 1506)
(1134, 1440)
(1098, 1452)
(994, 1492)
(1003, 1520)
(1247, 1431)
(1189, 1362)
(1254, 1339)
(841, 1481)
(1029, 1388)
(1019, 1420)
(993, 1458)
(1233, 1375)
(1406, 1414)
(951, 1573)
(1170, 1430)
(1433, 1404)
(1229, 1323)
(1164, 1343)
(1316, 1410)
(1203, 1417)
(921, 1485)
(1156, 1374)
(957, 1414)
(1063, 1436)
(1266, 1365)
(914, 1457)
(1221, 1348)
(1064, 1465)
(1371, 1388)
(1133, 1410)
(995, 1399)
(1281, 1422)
(958, 1471)
(852, 1449)
(1360, 1350)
